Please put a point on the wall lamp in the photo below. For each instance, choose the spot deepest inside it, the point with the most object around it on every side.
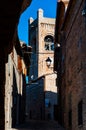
(48, 61)
(84, 12)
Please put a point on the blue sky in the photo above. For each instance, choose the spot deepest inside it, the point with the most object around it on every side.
(49, 7)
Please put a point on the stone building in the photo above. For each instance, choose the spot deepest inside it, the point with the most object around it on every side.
(71, 35)
(41, 38)
(15, 86)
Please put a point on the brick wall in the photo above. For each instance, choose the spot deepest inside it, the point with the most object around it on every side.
(75, 66)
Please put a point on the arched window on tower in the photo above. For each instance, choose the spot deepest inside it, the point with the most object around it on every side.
(49, 43)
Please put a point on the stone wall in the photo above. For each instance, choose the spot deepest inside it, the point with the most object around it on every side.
(74, 55)
(14, 90)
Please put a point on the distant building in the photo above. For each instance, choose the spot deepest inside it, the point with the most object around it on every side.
(42, 90)
(70, 63)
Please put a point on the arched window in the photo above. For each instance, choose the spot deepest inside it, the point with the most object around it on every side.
(49, 43)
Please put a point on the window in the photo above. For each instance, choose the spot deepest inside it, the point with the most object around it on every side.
(33, 44)
(70, 118)
(49, 43)
(47, 103)
(80, 116)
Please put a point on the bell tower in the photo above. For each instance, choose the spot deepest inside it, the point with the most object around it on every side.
(41, 38)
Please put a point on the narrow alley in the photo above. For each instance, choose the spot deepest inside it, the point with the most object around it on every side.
(39, 125)
(43, 65)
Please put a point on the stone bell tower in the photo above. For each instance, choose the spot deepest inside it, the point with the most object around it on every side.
(41, 38)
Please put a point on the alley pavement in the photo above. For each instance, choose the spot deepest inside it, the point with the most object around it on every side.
(39, 125)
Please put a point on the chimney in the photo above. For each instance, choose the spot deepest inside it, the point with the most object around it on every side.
(40, 13)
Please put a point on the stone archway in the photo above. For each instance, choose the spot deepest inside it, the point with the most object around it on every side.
(10, 12)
